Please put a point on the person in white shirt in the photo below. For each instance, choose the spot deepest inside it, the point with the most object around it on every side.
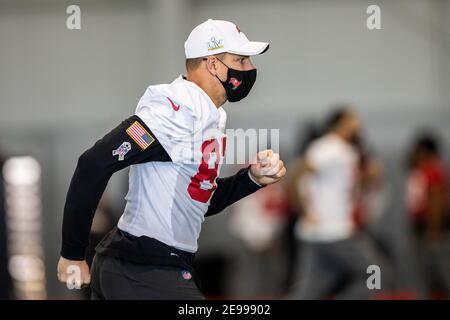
(174, 144)
(326, 184)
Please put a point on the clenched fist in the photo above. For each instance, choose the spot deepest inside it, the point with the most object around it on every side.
(74, 273)
(268, 169)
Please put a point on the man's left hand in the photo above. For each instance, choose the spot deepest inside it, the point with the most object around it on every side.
(268, 169)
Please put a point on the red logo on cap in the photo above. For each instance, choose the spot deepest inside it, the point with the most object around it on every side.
(235, 83)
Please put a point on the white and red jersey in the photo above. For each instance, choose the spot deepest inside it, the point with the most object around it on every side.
(167, 200)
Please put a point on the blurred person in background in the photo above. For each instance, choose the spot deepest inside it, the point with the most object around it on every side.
(259, 222)
(104, 220)
(327, 187)
(427, 202)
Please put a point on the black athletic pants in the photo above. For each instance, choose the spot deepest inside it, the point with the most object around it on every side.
(113, 278)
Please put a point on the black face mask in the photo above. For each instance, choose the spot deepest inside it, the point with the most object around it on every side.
(238, 83)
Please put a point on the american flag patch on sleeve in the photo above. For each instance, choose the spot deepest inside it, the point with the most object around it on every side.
(138, 133)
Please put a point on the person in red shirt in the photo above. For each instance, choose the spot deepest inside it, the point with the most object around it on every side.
(427, 202)
(427, 189)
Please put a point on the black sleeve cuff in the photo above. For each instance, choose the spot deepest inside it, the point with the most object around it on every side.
(249, 182)
(73, 253)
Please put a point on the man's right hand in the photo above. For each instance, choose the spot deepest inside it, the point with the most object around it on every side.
(74, 273)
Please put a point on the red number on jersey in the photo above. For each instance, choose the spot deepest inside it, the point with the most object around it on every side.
(203, 182)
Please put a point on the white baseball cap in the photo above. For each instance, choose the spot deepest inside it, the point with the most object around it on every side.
(218, 36)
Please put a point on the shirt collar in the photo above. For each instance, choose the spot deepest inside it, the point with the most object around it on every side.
(182, 78)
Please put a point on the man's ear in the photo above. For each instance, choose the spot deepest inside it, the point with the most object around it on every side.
(211, 65)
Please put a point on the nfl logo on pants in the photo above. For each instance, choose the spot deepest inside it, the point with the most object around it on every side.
(186, 275)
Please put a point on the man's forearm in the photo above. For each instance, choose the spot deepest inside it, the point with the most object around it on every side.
(231, 189)
(85, 191)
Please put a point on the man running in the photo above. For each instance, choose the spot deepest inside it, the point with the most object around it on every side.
(174, 144)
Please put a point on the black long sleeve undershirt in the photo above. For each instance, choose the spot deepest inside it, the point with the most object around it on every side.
(96, 166)
(94, 169)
